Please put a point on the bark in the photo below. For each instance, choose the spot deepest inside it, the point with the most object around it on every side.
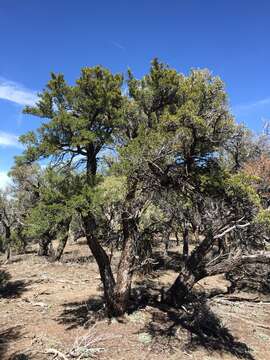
(231, 263)
(177, 238)
(192, 271)
(185, 242)
(126, 264)
(22, 239)
(91, 165)
(71, 236)
(180, 288)
(197, 267)
(102, 260)
(61, 246)
(7, 241)
(97, 250)
(44, 246)
(166, 240)
(116, 294)
(146, 256)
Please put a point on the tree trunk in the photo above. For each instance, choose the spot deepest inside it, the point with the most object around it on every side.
(61, 246)
(116, 294)
(185, 242)
(91, 165)
(8, 252)
(180, 288)
(166, 240)
(204, 261)
(44, 248)
(103, 262)
(126, 264)
(7, 241)
(192, 271)
(177, 238)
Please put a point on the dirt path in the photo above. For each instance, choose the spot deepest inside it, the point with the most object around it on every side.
(46, 305)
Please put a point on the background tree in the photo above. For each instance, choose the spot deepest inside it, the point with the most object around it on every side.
(51, 216)
(7, 221)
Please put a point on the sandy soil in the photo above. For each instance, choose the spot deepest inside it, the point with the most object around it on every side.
(48, 306)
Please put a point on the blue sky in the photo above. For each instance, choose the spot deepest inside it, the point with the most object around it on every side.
(229, 37)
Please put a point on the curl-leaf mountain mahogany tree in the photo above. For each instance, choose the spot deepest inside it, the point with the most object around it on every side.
(169, 133)
(179, 148)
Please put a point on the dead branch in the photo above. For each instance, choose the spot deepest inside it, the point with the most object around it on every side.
(232, 262)
(236, 226)
(57, 353)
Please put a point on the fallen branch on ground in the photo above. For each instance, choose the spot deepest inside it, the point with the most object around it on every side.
(56, 353)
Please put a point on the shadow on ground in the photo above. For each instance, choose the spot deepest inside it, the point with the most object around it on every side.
(10, 289)
(7, 336)
(194, 321)
(19, 356)
(83, 313)
(172, 261)
(77, 259)
(194, 325)
(191, 326)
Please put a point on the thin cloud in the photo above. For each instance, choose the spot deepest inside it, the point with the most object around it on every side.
(251, 106)
(7, 139)
(17, 93)
(118, 45)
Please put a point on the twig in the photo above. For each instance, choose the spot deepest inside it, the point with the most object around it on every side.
(218, 236)
(56, 352)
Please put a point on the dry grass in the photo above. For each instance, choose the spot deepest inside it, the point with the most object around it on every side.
(54, 306)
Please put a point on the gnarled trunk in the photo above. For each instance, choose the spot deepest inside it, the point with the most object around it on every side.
(61, 246)
(116, 293)
(193, 270)
(205, 261)
(64, 236)
(102, 260)
(181, 287)
(126, 264)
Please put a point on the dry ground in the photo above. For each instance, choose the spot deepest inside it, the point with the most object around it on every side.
(46, 305)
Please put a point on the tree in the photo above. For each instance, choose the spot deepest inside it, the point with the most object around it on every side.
(24, 189)
(51, 216)
(241, 147)
(81, 123)
(170, 135)
(181, 149)
(7, 221)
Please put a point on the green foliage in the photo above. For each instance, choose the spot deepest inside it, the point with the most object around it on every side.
(17, 242)
(80, 118)
(152, 215)
(171, 148)
(241, 185)
(200, 119)
(263, 218)
(54, 209)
